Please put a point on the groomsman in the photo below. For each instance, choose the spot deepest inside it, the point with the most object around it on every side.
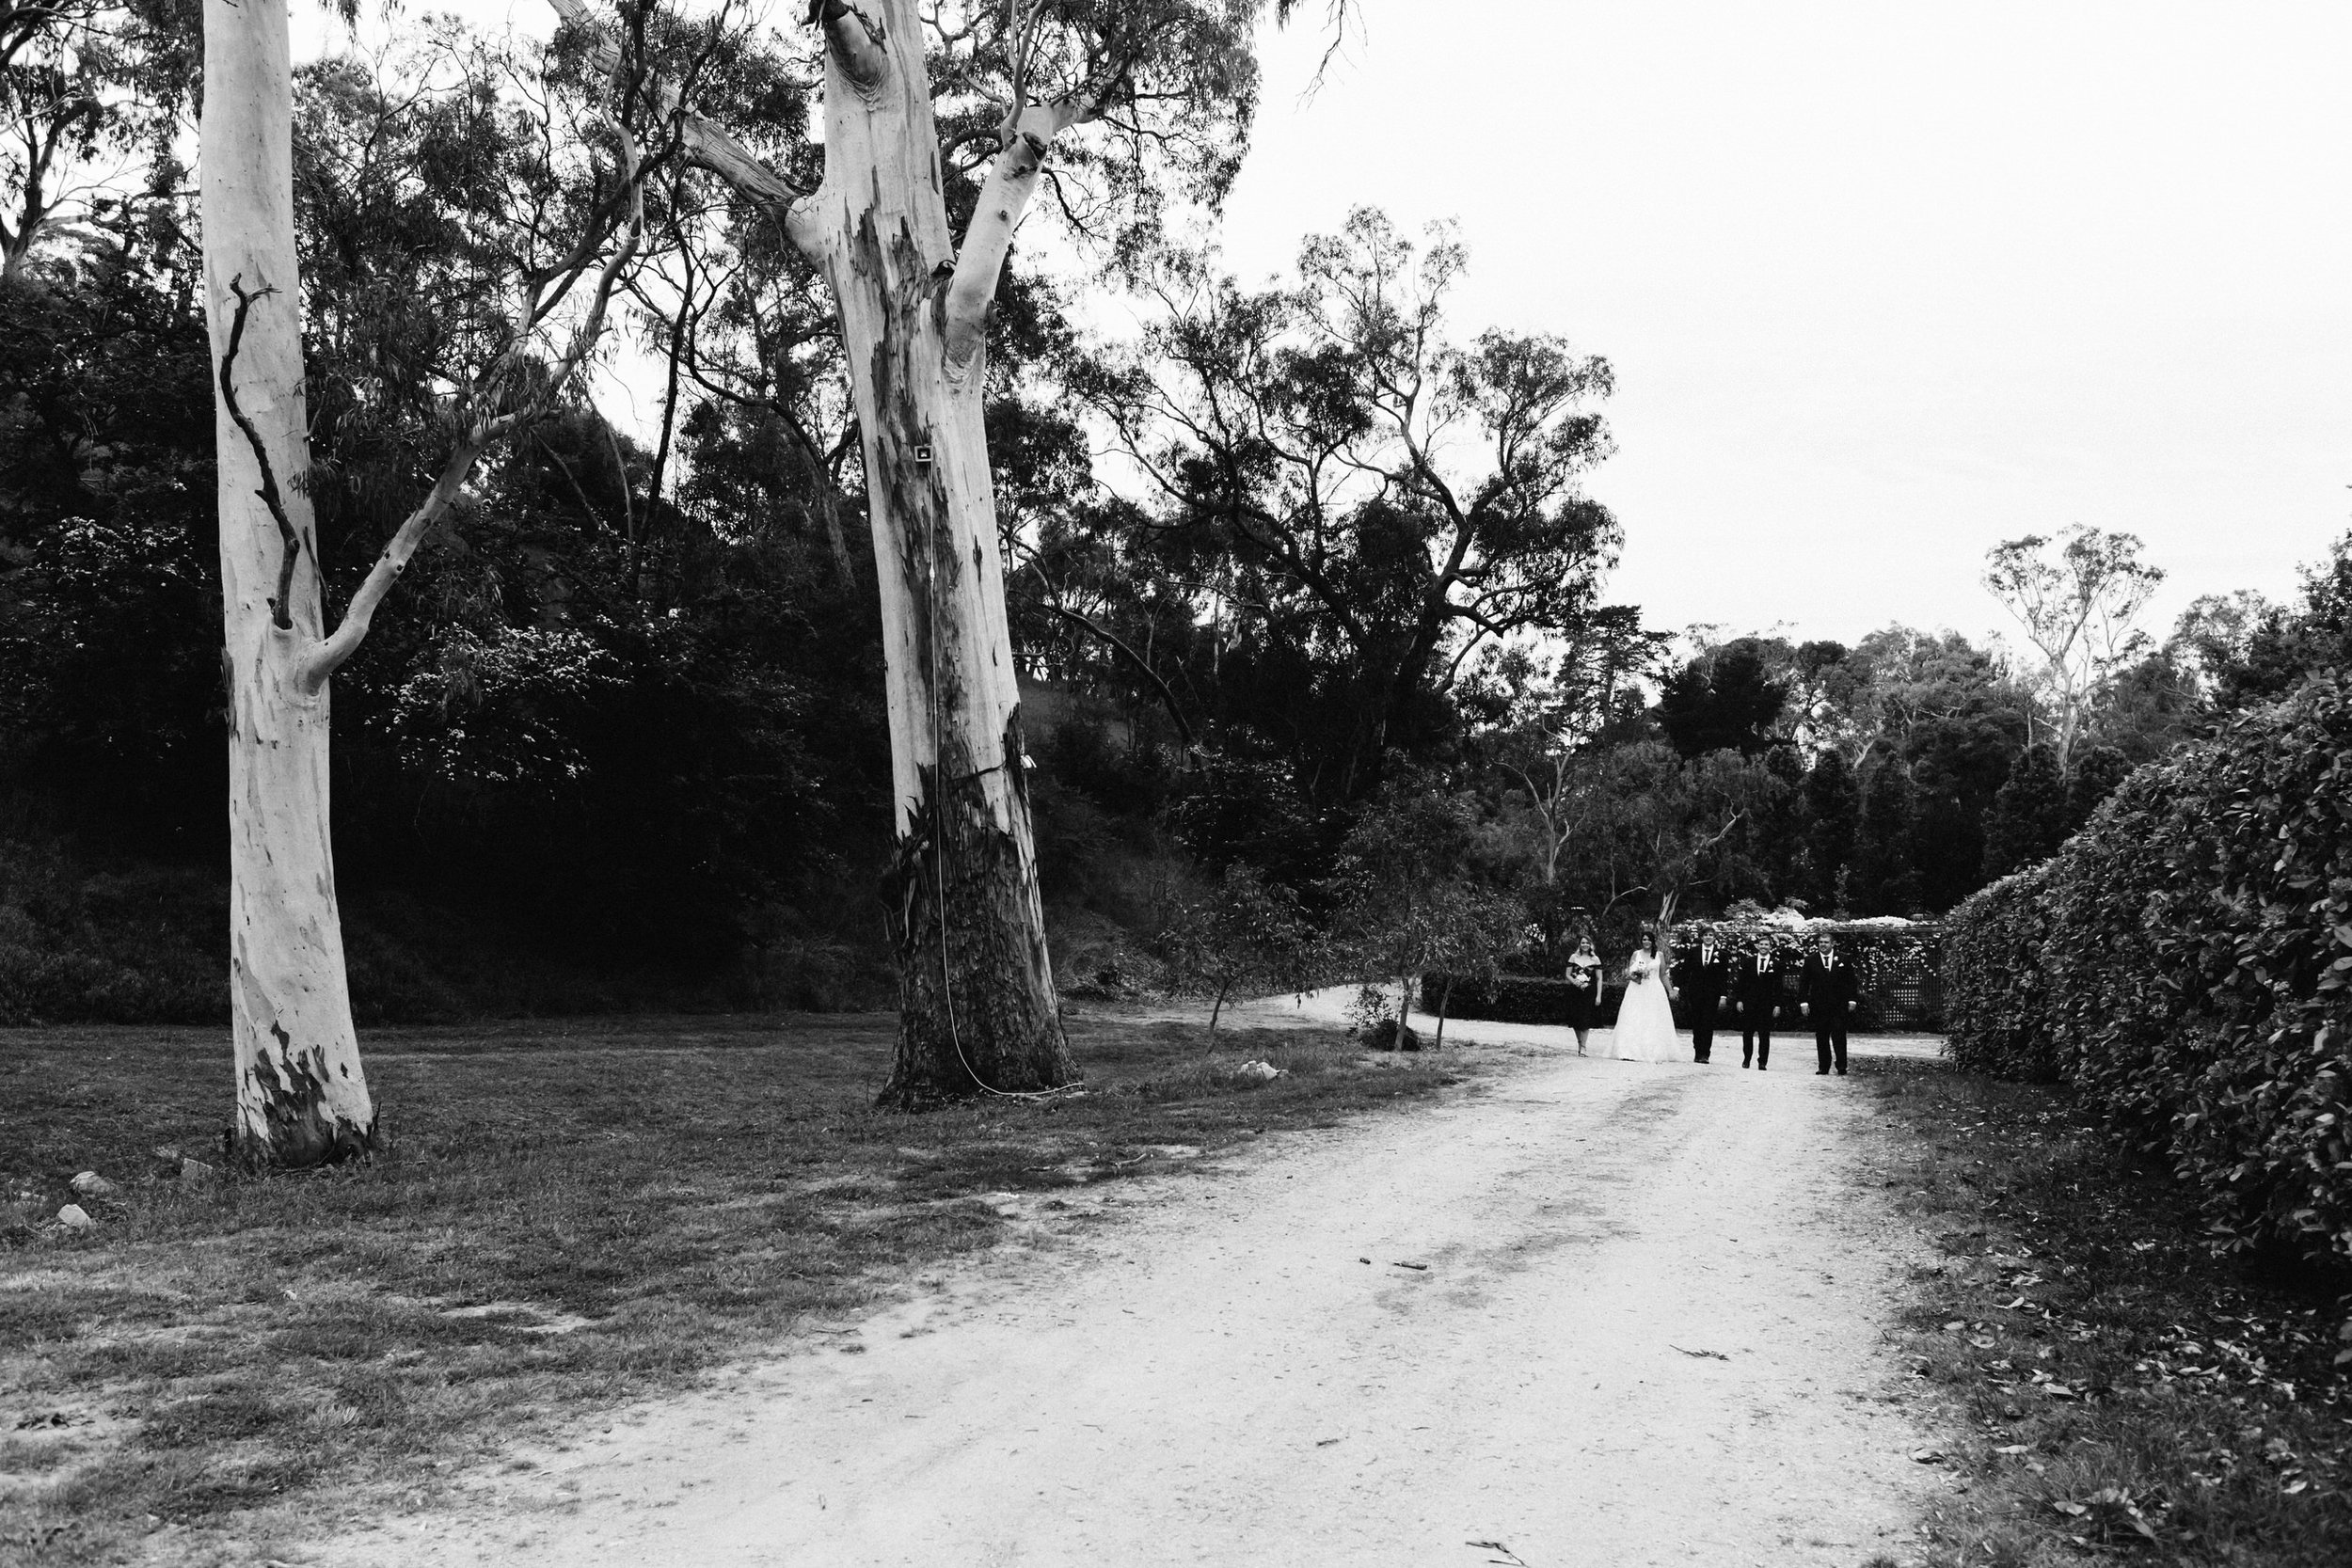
(1706, 976)
(1826, 993)
(1756, 981)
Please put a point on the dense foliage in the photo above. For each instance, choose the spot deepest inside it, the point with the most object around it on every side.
(2185, 963)
(1279, 548)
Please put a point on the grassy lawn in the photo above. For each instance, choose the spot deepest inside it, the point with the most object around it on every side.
(2120, 1392)
(573, 1213)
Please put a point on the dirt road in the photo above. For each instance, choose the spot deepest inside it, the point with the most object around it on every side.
(1642, 1325)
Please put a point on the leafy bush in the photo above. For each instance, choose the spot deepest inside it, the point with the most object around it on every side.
(2185, 961)
(1248, 937)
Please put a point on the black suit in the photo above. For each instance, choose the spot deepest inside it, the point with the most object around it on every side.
(1827, 991)
(1704, 976)
(1758, 982)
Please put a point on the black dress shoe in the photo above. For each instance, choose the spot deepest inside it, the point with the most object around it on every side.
(1821, 1072)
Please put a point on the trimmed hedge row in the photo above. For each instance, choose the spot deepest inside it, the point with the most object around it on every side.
(2185, 963)
(1514, 999)
(1997, 1022)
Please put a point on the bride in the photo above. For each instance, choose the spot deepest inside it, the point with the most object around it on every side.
(1645, 1019)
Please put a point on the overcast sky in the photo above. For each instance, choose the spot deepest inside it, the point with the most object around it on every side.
(1885, 281)
(1883, 284)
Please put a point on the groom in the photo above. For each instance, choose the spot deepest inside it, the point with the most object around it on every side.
(1706, 976)
(1758, 982)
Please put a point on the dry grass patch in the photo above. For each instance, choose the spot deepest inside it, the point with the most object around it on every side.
(572, 1215)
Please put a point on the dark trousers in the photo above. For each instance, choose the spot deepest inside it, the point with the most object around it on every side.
(1829, 1034)
(1756, 1033)
(1702, 1027)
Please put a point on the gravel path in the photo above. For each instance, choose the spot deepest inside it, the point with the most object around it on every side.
(1645, 1327)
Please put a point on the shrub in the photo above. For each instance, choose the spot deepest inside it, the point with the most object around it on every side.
(2185, 963)
(1248, 937)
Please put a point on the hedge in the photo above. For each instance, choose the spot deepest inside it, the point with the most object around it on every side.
(1514, 999)
(2186, 963)
(1996, 1024)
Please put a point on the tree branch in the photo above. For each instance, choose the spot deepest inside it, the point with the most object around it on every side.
(708, 146)
(1184, 726)
(488, 429)
(280, 607)
(1027, 131)
(1011, 181)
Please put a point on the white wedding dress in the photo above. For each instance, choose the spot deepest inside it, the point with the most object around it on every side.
(1645, 1019)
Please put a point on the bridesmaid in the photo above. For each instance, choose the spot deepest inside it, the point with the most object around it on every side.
(1583, 989)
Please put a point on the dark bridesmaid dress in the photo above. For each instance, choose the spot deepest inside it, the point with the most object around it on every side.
(1583, 992)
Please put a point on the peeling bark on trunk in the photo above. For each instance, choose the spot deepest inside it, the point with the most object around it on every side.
(977, 1002)
(302, 1097)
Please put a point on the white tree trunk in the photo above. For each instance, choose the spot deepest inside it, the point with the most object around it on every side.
(975, 987)
(302, 1097)
(977, 1005)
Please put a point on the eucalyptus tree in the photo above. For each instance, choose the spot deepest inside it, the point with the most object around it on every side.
(1376, 501)
(49, 115)
(558, 220)
(87, 89)
(1119, 107)
(2079, 602)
